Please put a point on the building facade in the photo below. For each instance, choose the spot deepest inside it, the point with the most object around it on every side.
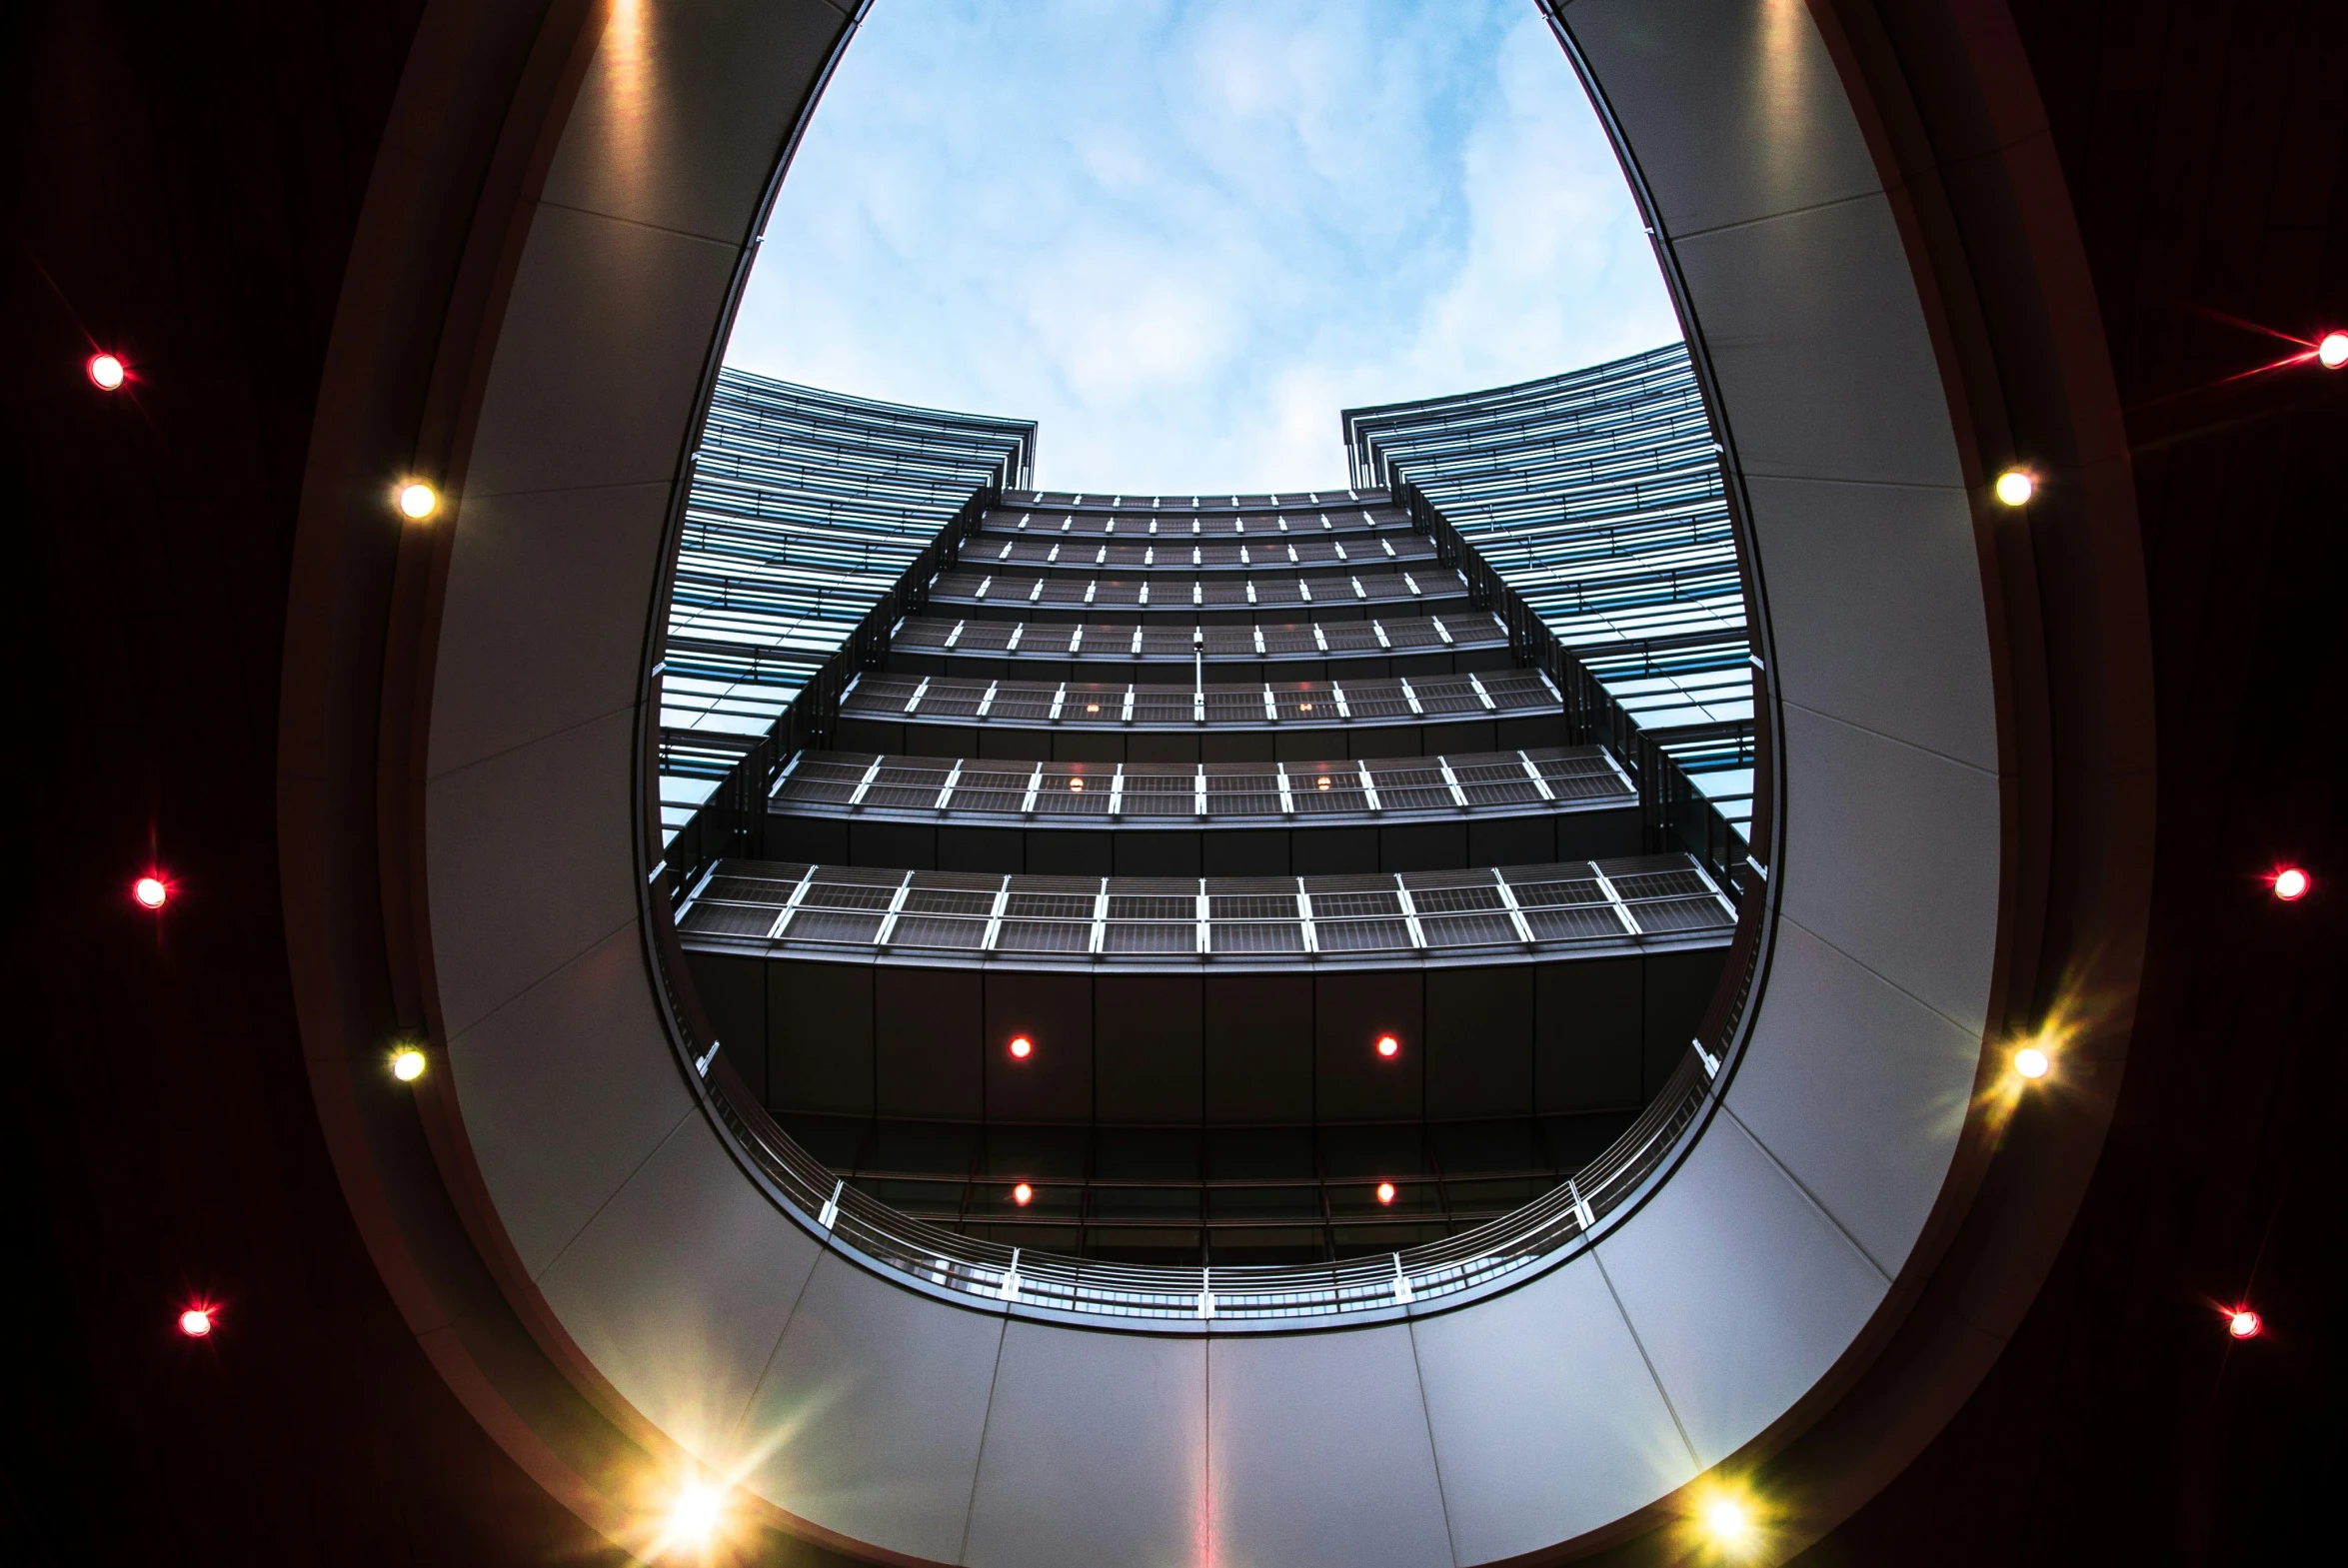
(1598, 495)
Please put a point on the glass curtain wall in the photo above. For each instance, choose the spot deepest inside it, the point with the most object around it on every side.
(804, 507)
(1598, 495)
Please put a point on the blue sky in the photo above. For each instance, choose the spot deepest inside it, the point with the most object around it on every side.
(1183, 234)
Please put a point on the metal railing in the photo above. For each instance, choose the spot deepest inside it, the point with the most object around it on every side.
(1188, 1298)
(732, 824)
(1675, 813)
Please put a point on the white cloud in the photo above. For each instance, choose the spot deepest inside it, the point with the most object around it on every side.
(1183, 236)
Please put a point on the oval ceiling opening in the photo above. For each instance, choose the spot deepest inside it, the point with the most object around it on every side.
(1206, 709)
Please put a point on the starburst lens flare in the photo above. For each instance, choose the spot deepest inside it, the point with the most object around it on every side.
(2291, 885)
(2243, 1323)
(150, 893)
(106, 372)
(1727, 1521)
(196, 1322)
(2332, 351)
(2031, 1062)
(2016, 487)
(408, 1064)
(695, 1517)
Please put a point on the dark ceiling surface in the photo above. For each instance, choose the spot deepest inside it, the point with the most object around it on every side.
(181, 184)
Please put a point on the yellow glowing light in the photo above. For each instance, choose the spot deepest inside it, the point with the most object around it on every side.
(2016, 487)
(694, 1516)
(407, 1064)
(418, 501)
(1727, 1522)
(2031, 1062)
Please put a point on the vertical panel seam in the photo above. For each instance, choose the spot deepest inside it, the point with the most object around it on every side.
(1662, 1393)
(767, 1368)
(1433, 1453)
(1808, 1196)
(970, 1512)
(610, 1197)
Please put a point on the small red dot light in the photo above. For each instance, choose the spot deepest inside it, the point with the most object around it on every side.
(1389, 1046)
(1386, 1192)
(196, 1322)
(1021, 1193)
(2243, 1323)
(2291, 884)
(151, 893)
(1021, 1047)
(106, 372)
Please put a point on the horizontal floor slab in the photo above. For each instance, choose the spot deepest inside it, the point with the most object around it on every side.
(1377, 919)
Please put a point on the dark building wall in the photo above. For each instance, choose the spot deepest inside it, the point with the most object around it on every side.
(1561, 1038)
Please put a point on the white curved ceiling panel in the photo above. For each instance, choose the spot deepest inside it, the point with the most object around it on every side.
(679, 1287)
(870, 1418)
(570, 1050)
(1741, 1291)
(1547, 1423)
(1109, 1428)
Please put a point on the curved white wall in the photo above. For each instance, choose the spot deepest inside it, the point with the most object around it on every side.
(950, 1434)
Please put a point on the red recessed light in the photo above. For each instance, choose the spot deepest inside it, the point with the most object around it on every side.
(151, 893)
(2331, 351)
(106, 372)
(2291, 884)
(1386, 1192)
(1021, 1193)
(196, 1322)
(2243, 1323)
(1389, 1046)
(1021, 1047)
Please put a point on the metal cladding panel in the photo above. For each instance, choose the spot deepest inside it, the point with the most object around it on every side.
(820, 1036)
(1480, 1034)
(1148, 1055)
(679, 1288)
(1547, 1423)
(1878, 619)
(537, 662)
(677, 126)
(1259, 1047)
(1351, 1083)
(528, 853)
(1740, 1290)
(1869, 822)
(598, 359)
(1587, 1051)
(733, 996)
(1318, 1453)
(1055, 1012)
(1735, 107)
(1858, 1089)
(925, 1044)
(1095, 1453)
(569, 1057)
(870, 1418)
(1820, 348)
